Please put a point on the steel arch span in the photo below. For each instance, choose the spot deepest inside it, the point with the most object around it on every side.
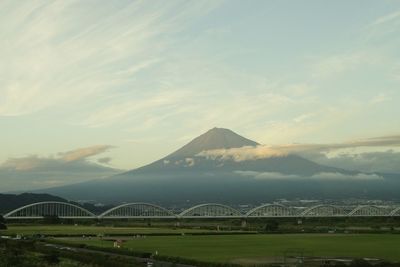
(369, 211)
(325, 211)
(137, 210)
(50, 208)
(272, 210)
(395, 212)
(211, 210)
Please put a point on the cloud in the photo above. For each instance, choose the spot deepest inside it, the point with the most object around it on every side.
(380, 98)
(66, 53)
(26, 163)
(243, 153)
(263, 151)
(385, 19)
(267, 175)
(341, 63)
(341, 176)
(35, 172)
(387, 161)
(392, 140)
(127, 109)
(69, 160)
(320, 176)
(105, 160)
(385, 26)
(377, 161)
(83, 153)
(303, 117)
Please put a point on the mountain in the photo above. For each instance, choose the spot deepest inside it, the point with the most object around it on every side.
(9, 202)
(222, 166)
(216, 138)
(189, 158)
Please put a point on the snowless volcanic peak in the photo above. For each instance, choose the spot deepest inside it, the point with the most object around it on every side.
(216, 138)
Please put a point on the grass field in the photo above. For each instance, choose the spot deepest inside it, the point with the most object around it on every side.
(242, 248)
(228, 248)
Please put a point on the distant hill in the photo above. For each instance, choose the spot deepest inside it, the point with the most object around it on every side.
(188, 176)
(9, 202)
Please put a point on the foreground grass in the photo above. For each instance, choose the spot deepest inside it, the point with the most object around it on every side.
(230, 248)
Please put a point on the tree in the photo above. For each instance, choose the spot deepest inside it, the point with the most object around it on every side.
(360, 263)
(271, 226)
(52, 258)
(2, 223)
(51, 219)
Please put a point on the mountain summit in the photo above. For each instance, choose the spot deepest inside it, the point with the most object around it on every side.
(216, 138)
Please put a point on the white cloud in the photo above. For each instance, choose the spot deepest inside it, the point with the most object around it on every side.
(320, 176)
(387, 161)
(395, 72)
(105, 160)
(126, 108)
(242, 153)
(267, 175)
(69, 54)
(38, 172)
(65, 160)
(83, 153)
(303, 117)
(263, 151)
(380, 98)
(383, 27)
(333, 65)
(385, 19)
(341, 176)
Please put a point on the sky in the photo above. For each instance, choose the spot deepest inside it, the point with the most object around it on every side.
(124, 83)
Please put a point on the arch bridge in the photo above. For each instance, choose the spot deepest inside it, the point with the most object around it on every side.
(41, 210)
(66, 210)
(137, 210)
(211, 210)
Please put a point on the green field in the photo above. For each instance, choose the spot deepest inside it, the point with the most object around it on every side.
(91, 230)
(247, 248)
(244, 248)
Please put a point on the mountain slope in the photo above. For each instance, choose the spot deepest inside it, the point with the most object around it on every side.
(216, 138)
(188, 176)
(188, 158)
